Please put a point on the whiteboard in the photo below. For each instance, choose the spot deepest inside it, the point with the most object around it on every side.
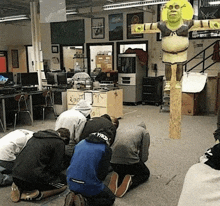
(193, 82)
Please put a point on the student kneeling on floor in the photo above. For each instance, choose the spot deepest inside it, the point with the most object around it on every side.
(37, 171)
(88, 168)
(129, 153)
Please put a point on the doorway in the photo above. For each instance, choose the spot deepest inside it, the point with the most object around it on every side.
(74, 59)
(100, 55)
(3, 62)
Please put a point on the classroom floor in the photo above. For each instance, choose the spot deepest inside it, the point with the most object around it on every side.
(168, 162)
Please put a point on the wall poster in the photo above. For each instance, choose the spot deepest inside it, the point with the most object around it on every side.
(115, 27)
(135, 18)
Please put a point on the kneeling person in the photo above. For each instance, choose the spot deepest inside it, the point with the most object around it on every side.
(38, 167)
(129, 152)
(88, 168)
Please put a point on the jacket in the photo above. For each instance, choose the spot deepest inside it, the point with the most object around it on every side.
(95, 124)
(131, 145)
(89, 165)
(41, 160)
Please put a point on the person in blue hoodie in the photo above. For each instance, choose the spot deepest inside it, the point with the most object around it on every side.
(88, 169)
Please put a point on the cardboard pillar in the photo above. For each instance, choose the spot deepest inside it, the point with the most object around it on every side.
(175, 107)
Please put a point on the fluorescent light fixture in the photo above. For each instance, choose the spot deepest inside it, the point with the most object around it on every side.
(13, 18)
(132, 4)
(214, 2)
(71, 11)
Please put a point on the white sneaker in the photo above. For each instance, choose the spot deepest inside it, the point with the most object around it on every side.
(167, 86)
(178, 85)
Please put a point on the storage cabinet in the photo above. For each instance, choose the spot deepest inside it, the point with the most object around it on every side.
(152, 90)
(103, 102)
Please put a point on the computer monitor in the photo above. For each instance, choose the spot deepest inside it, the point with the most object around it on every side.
(10, 77)
(62, 78)
(70, 74)
(51, 78)
(29, 79)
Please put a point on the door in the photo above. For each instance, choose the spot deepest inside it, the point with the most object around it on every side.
(100, 55)
(3, 62)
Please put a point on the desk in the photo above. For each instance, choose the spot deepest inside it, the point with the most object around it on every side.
(8, 96)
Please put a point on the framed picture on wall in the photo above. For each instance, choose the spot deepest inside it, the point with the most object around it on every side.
(135, 18)
(212, 12)
(115, 27)
(55, 49)
(98, 28)
(15, 59)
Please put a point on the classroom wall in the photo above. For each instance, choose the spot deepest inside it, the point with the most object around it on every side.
(19, 33)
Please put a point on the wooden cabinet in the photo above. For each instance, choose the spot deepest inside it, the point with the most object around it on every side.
(190, 103)
(103, 102)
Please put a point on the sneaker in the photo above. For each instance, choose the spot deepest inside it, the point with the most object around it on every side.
(15, 193)
(83, 200)
(69, 200)
(167, 86)
(124, 186)
(113, 184)
(178, 85)
(29, 195)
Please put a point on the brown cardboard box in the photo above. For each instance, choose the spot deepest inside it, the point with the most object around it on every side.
(190, 103)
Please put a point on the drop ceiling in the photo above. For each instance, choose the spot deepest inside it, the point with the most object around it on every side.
(19, 7)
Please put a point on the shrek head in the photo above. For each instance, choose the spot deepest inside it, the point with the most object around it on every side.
(175, 11)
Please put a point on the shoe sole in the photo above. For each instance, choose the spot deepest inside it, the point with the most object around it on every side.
(69, 200)
(77, 200)
(15, 193)
(124, 186)
(82, 200)
(113, 184)
(29, 195)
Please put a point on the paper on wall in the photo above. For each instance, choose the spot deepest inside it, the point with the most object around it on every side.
(193, 82)
(52, 11)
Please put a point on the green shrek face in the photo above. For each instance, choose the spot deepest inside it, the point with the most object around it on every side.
(174, 13)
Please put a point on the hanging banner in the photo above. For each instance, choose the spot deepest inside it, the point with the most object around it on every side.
(52, 11)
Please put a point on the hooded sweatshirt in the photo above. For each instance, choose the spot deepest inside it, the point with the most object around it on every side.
(41, 160)
(12, 144)
(89, 165)
(95, 124)
(131, 145)
(74, 119)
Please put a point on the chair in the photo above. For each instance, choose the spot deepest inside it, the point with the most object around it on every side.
(22, 107)
(47, 103)
(3, 128)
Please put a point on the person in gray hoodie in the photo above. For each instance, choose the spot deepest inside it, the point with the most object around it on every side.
(129, 153)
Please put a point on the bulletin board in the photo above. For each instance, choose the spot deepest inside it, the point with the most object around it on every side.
(68, 33)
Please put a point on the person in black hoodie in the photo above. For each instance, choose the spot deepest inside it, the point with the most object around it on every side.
(37, 169)
(104, 122)
(88, 168)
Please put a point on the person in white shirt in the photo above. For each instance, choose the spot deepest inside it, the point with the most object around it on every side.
(10, 146)
(74, 119)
